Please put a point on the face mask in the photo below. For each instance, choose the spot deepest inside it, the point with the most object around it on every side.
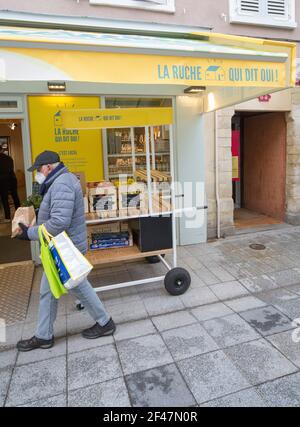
(40, 178)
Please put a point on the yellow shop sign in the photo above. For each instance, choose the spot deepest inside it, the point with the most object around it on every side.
(114, 118)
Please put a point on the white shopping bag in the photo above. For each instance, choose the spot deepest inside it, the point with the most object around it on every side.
(71, 265)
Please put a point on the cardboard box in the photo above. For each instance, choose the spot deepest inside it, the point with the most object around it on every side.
(110, 241)
(132, 199)
(103, 200)
(112, 227)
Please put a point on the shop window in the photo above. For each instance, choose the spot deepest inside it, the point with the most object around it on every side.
(274, 13)
(156, 5)
(125, 149)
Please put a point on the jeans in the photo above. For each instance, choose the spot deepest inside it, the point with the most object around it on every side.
(48, 307)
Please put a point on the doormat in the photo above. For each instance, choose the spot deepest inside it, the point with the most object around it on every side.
(15, 289)
(14, 250)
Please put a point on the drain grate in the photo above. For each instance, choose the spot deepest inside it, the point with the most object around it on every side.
(257, 247)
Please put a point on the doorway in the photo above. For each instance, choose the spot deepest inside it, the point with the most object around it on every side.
(12, 250)
(259, 186)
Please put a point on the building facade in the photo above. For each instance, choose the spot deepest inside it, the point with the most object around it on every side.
(238, 185)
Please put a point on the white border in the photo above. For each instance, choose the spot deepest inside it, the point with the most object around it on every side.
(169, 7)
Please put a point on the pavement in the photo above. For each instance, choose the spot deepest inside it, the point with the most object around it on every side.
(231, 340)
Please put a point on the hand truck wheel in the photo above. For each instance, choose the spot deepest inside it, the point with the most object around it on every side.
(177, 281)
(154, 259)
(78, 305)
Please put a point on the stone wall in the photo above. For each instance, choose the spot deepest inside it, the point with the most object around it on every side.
(293, 161)
(223, 118)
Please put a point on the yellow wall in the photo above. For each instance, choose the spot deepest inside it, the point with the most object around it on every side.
(80, 150)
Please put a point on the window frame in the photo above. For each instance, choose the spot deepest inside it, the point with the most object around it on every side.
(263, 20)
(19, 108)
(169, 7)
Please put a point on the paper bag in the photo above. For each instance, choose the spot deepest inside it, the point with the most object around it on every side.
(25, 216)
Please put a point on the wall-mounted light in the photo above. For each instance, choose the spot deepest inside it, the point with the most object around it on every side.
(56, 86)
(195, 89)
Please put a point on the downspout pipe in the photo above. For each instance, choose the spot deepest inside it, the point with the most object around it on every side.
(217, 176)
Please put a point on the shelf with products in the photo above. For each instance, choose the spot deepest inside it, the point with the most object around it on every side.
(126, 155)
(126, 150)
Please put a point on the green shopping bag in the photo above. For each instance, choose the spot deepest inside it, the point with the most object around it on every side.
(50, 270)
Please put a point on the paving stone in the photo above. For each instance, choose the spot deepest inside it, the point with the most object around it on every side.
(193, 262)
(295, 289)
(198, 297)
(59, 401)
(173, 320)
(286, 277)
(258, 283)
(196, 282)
(233, 269)
(259, 361)
(162, 304)
(125, 300)
(249, 398)
(126, 313)
(267, 320)
(291, 308)
(38, 355)
(60, 328)
(111, 393)
(151, 290)
(8, 358)
(211, 375)
(230, 330)
(220, 272)
(134, 329)
(276, 296)
(207, 276)
(93, 366)
(143, 353)
(284, 392)
(211, 311)
(245, 303)
(189, 341)
(159, 387)
(13, 335)
(37, 381)
(288, 343)
(78, 321)
(229, 290)
(77, 343)
(5, 375)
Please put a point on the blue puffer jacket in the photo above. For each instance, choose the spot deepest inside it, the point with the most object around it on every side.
(62, 208)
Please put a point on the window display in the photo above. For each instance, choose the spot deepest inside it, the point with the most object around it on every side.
(126, 150)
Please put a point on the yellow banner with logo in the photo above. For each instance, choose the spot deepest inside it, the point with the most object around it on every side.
(81, 151)
(115, 118)
(125, 68)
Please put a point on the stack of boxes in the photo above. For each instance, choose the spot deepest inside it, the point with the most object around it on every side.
(112, 235)
(103, 199)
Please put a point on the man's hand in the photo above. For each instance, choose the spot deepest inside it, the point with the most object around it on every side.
(23, 235)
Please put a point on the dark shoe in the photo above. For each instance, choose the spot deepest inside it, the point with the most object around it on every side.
(98, 331)
(34, 343)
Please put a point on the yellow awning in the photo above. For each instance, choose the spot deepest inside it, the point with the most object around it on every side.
(215, 61)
